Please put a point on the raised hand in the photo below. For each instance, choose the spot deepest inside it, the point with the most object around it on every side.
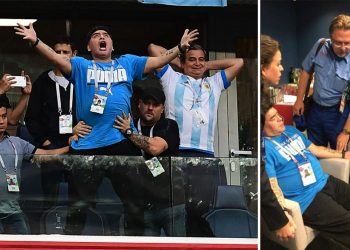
(188, 37)
(5, 83)
(28, 34)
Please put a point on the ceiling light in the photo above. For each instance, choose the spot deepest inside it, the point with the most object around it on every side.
(13, 22)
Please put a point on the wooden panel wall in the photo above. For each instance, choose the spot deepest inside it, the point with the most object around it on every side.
(226, 134)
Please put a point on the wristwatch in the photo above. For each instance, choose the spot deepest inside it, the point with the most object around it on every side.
(128, 132)
(346, 132)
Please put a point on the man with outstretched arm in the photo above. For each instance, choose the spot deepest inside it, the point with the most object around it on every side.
(109, 82)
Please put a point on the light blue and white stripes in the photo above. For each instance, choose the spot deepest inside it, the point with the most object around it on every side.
(184, 95)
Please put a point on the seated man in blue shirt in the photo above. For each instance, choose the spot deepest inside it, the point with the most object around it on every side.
(295, 173)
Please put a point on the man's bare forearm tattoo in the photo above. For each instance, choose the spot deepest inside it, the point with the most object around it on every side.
(140, 141)
(169, 52)
(277, 190)
(332, 151)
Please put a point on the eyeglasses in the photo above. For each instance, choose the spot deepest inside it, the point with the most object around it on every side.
(339, 44)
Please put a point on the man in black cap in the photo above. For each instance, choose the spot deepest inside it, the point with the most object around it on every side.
(152, 135)
(157, 136)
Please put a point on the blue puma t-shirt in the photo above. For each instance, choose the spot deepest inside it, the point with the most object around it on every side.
(127, 69)
(280, 165)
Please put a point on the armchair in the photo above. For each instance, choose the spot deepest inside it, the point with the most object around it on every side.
(304, 234)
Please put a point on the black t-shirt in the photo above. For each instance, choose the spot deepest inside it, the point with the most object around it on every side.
(167, 189)
(169, 131)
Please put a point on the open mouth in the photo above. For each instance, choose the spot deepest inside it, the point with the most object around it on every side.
(103, 45)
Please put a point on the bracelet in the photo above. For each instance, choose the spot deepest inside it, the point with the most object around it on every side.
(36, 42)
(346, 132)
(343, 154)
(180, 49)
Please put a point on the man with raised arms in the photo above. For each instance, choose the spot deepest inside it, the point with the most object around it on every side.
(112, 90)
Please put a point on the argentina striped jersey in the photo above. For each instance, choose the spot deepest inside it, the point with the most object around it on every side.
(185, 95)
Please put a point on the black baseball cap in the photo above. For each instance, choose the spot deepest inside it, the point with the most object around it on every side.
(92, 31)
(156, 94)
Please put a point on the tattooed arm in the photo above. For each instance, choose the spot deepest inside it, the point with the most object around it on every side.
(277, 190)
(29, 34)
(323, 152)
(157, 50)
(288, 230)
(151, 145)
(169, 55)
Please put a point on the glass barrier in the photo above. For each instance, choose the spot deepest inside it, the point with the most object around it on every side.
(220, 196)
(115, 195)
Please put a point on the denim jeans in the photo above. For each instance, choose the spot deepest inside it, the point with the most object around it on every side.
(171, 220)
(13, 224)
